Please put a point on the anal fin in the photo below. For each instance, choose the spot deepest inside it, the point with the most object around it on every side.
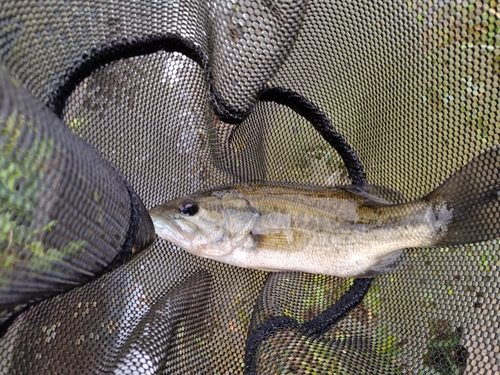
(385, 265)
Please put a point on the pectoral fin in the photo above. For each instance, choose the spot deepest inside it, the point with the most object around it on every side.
(284, 240)
(271, 222)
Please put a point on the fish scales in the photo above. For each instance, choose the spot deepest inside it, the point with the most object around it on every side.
(333, 231)
(346, 231)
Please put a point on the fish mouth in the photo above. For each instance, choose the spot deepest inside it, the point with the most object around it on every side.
(173, 229)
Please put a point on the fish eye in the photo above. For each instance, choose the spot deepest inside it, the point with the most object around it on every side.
(188, 208)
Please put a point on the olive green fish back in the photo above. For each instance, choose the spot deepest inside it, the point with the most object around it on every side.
(107, 104)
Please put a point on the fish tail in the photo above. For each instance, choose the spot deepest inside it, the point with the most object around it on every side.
(472, 195)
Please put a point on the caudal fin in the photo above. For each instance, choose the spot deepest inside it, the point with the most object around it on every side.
(473, 194)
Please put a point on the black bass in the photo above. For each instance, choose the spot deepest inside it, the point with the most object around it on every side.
(346, 231)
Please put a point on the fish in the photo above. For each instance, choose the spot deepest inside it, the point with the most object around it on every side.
(345, 231)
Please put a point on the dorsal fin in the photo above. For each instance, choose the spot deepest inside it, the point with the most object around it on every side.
(375, 195)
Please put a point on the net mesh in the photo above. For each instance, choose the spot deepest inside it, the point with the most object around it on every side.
(183, 96)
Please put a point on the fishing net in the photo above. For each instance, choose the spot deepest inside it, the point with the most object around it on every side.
(110, 108)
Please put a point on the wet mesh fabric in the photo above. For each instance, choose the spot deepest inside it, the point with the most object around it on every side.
(111, 104)
(67, 214)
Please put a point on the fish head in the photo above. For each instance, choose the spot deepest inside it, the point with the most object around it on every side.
(210, 225)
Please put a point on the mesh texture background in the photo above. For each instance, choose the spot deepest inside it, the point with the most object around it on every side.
(168, 93)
